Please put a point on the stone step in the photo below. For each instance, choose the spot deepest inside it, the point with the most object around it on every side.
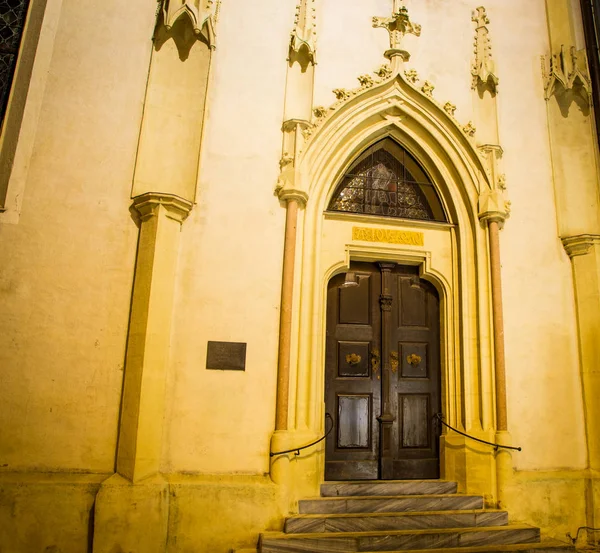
(545, 546)
(397, 504)
(352, 542)
(388, 487)
(394, 521)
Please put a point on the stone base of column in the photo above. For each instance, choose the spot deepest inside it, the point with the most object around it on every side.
(504, 468)
(298, 476)
(131, 517)
(470, 463)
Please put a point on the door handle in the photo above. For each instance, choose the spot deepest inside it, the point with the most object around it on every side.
(394, 361)
(353, 359)
(413, 359)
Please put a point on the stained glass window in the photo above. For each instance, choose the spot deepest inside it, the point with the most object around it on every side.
(386, 180)
(12, 20)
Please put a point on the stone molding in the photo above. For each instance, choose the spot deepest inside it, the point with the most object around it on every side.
(580, 244)
(305, 30)
(199, 13)
(567, 71)
(483, 69)
(147, 206)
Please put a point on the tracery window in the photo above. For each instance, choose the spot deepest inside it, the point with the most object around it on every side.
(12, 21)
(386, 180)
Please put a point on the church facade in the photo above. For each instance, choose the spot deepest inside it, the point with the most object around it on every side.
(230, 230)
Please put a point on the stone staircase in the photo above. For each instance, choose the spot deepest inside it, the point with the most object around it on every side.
(407, 516)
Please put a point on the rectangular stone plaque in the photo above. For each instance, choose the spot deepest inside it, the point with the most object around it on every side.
(226, 356)
(389, 236)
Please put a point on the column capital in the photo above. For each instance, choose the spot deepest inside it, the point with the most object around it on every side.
(580, 244)
(493, 208)
(147, 205)
(295, 194)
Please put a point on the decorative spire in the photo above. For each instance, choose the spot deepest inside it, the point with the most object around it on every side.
(305, 30)
(483, 68)
(398, 26)
(199, 13)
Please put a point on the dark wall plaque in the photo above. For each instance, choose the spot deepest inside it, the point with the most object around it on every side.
(226, 356)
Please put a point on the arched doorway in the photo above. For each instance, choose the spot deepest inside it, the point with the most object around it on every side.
(382, 373)
(452, 255)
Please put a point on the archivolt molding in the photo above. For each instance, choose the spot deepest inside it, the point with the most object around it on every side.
(392, 101)
(566, 71)
(199, 13)
(390, 106)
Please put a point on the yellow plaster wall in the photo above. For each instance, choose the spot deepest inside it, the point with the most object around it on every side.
(229, 274)
(229, 267)
(553, 500)
(213, 514)
(66, 267)
(46, 512)
(543, 387)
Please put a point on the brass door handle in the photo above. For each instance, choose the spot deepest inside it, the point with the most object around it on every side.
(353, 359)
(394, 361)
(413, 359)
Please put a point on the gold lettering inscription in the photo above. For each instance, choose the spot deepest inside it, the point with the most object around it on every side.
(388, 236)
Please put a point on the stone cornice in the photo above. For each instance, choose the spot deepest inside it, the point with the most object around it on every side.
(580, 244)
(147, 206)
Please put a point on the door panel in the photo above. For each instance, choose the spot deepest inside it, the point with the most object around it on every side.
(416, 385)
(352, 390)
(367, 443)
(354, 421)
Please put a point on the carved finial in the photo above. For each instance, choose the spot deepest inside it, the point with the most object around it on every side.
(449, 108)
(427, 88)
(412, 76)
(198, 12)
(398, 26)
(483, 68)
(305, 30)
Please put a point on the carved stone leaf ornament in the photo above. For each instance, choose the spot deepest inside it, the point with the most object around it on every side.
(427, 88)
(412, 76)
(449, 108)
(469, 129)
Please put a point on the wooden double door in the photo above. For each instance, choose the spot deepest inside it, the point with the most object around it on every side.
(382, 377)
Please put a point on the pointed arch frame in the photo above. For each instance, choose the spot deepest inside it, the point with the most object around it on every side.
(396, 109)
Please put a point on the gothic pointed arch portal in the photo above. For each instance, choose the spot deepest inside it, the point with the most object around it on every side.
(448, 250)
(382, 360)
